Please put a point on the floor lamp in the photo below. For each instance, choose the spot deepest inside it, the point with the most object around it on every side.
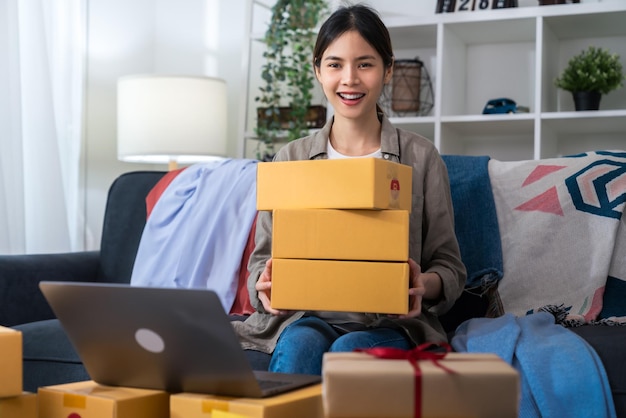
(171, 119)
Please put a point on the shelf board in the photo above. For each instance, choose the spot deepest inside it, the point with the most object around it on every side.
(423, 125)
(412, 120)
(586, 122)
(507, 124)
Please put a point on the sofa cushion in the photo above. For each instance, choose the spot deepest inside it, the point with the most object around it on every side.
(561, 231)
(49, 356)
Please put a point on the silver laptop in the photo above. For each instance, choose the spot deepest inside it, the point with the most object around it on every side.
(178, 340)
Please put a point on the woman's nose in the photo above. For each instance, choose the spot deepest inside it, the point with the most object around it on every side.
(349, 76)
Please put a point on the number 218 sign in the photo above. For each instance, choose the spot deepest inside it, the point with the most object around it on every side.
(447, 6)
(467, 5)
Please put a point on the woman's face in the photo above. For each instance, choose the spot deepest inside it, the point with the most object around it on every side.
(352, 75)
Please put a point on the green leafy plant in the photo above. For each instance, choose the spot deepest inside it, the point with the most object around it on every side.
(594, 69)
(288, 70)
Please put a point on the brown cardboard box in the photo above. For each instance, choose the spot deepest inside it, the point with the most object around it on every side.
(89, 399)
(332, 234)
(357, 183)
(361, 385)
(10, 362)
(300, 403)
(22, 406)
(348, 286)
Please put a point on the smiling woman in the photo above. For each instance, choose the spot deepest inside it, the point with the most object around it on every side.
(40, 125)
(353, 61)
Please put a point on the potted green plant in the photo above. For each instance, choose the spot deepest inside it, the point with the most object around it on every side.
(588, 75)
(285, 111)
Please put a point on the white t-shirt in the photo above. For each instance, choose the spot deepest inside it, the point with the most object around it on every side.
(333, 154)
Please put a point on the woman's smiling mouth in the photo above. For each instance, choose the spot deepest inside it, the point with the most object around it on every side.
(351, 96)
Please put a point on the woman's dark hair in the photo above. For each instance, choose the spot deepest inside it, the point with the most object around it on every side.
(360, 18)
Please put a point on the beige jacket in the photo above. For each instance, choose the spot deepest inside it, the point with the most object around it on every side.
(432, 242)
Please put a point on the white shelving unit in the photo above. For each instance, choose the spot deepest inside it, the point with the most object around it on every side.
(517, 53)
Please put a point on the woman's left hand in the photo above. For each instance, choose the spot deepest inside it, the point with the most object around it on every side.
(416, 291)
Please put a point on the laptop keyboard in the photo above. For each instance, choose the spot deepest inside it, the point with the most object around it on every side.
(271, 384)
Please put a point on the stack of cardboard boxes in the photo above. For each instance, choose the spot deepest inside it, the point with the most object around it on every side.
(14, 402)
(340, 234)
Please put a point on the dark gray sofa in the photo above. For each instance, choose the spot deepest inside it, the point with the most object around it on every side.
(50, 359)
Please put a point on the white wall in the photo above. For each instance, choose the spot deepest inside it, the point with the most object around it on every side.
(194, 37)
(184, 37)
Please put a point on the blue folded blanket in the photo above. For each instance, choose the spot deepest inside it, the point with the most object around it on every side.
(476, 221)
(560, 374)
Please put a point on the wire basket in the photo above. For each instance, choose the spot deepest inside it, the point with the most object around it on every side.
(410, 92)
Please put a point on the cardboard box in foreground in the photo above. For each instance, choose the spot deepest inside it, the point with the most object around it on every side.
(361, 385)
(301, 403)
(89, 399)
(22, 406)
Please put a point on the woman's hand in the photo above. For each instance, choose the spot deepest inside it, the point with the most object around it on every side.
(416, 291)
(263, 287)
(423, 286)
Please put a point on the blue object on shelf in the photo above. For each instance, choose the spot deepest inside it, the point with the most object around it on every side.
(503, 105)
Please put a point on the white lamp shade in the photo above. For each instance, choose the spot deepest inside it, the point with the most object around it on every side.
(161, 119)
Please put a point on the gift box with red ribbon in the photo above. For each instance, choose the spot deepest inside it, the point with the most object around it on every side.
(418, 383)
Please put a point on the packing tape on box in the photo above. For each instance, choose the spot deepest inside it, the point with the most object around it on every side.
(73, 400)
(212, 405)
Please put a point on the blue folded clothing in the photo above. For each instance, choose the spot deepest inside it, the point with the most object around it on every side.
(476, 221)
(561, 375)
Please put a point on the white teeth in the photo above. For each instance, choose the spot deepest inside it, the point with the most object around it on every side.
(351, 96)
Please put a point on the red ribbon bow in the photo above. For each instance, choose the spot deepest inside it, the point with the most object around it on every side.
(421, 352)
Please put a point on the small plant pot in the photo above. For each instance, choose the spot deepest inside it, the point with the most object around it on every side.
(587, 100)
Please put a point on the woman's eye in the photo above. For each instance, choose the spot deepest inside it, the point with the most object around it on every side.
(365, 65)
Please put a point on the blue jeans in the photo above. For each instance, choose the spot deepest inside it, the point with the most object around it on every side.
(303, 343)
